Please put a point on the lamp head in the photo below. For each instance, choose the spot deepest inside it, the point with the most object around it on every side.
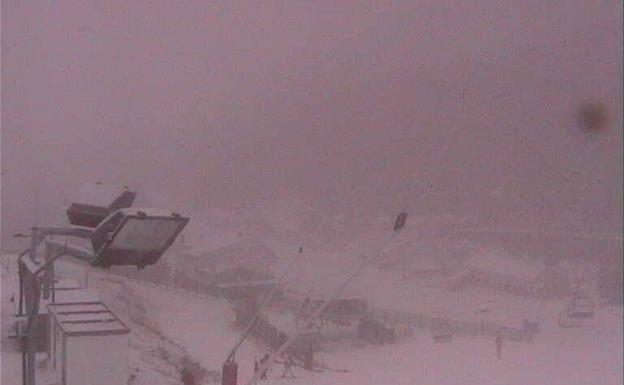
(135, 236)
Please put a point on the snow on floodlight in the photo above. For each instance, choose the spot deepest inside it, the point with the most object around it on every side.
(95, 201)
(135, 236)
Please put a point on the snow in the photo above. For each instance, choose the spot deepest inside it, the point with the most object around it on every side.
(76, 296)
(247, 253)
(494, 261)
(201, 328)
(150, 211)
(98, 194)
(473, 361)
(318, 273)
(204, 326)
(66, 284)
(95, 326)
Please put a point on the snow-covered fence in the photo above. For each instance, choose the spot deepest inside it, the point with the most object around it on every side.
(473, 328)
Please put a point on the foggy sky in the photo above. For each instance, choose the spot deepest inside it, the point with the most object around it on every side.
(432, 105)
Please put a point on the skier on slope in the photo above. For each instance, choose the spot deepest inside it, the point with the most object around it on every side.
(288, 364)
(265, 372)
(499, 345)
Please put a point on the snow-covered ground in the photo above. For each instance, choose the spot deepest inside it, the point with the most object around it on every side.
(171, 328)
(202, 330)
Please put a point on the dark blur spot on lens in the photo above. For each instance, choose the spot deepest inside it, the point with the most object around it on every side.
(592, 117)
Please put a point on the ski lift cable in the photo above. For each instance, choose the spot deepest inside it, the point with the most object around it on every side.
(398, 225)
(264, 304)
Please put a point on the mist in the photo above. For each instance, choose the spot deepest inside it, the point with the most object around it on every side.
(429, 106)
(363, 192)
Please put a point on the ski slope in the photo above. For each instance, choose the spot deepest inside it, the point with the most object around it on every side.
(201, 329)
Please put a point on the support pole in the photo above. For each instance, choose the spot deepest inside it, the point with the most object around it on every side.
(31, 284)
(20, 274)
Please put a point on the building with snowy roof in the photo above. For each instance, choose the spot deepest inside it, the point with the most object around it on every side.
(232, 272)
(251, 255)
(88, 344)
(514, 276)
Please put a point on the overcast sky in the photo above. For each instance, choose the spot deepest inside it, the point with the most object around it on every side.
(433, 105)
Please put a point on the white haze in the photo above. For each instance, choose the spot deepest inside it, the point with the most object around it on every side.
(433, 106)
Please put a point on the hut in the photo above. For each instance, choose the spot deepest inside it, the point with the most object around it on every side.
(88, 344)
(515, 276)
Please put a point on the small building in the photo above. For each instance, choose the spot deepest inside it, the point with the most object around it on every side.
(252, 255)
(88, 344)
(40, 331)
(231, 272)
(514, 276)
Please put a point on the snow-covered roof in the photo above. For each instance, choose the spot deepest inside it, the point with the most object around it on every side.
(77, 308)
(66, 284)
(98, 194)
(76, 297)
(83, 320)
(491, 262)
(150, 211)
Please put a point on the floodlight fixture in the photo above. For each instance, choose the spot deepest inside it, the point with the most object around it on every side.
(134, 236)
(119, 235)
